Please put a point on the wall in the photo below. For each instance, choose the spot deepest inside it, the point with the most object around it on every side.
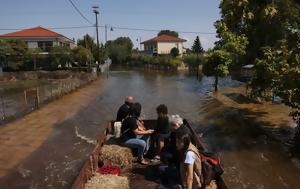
(50, 85)
(32, 44)
(165, 47)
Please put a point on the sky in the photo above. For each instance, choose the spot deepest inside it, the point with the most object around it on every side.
(178, 15)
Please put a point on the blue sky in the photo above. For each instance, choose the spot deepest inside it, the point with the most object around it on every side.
(178, 15)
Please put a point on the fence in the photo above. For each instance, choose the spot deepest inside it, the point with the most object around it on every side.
(16, 104)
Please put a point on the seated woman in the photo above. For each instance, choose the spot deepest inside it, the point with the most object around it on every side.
(130, 132)
(190, 162)
(140, 123)
(163, 128)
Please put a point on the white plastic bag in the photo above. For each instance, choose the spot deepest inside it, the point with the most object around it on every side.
(117, 129)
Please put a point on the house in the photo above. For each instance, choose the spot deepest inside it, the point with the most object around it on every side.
(39, 37)
(163, 45)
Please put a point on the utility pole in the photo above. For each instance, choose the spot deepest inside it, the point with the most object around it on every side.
(140, 44)
(95, 10)
(105, 33)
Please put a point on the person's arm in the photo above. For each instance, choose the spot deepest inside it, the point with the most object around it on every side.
(182, 175)
(141, 125)
(189, 175)
(139, 132)
(189, 169)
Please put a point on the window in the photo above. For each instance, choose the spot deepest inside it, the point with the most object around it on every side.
(45, 45)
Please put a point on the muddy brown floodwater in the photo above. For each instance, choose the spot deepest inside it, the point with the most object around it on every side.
(47, 148)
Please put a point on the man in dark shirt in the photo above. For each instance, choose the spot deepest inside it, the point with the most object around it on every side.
(124, 110)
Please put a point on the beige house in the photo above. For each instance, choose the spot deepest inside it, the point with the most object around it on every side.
(40, 37)
(163, 44)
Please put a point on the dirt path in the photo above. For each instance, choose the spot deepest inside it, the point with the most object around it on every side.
(276, 114)
(20, 138)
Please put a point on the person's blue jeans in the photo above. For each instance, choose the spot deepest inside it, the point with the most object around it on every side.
(141, 143)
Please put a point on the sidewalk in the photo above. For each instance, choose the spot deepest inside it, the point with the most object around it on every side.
(20, 138)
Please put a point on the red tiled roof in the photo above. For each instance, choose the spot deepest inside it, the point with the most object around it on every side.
(33, 32)
(165, 38)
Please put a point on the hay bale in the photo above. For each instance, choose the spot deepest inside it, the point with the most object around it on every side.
(107, 182)
(117, 156)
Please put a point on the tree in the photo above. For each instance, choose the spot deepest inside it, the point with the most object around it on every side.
(197, 47)
(228, 50)
(34, 56)
(13, 51)
(229, 41)
(59, 55)
(89, 43)
(168, 32)
(126, 41)
(82, 55)
(119, 50)
(174, 52)
(216, 64)
(278, 73)
(5, 50)
(262, 22)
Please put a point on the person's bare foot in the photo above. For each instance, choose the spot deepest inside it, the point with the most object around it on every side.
(143, 162)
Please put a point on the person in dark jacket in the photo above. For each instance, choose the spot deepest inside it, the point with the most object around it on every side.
(163, 128)
(132, 137)
(124, 110)
(170, 153)
(178, 127)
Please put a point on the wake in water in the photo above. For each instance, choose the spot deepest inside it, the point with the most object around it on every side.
(82, 137)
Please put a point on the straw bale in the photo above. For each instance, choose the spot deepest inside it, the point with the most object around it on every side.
(117, 156)
(107, 182)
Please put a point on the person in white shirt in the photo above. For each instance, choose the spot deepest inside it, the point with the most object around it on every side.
(190, 162)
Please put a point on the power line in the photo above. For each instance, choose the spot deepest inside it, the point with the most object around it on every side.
(119, 28)
(57, 28)
(158, 30)
(79, 12)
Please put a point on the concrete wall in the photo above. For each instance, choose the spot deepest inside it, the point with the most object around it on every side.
(32, 44)
(165, 47)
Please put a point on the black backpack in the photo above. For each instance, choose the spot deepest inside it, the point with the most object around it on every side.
(211, 167)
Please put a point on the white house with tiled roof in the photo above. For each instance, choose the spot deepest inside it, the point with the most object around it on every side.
(40, 37)
(163, 45)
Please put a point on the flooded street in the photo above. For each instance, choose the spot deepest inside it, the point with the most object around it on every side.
(47, 148)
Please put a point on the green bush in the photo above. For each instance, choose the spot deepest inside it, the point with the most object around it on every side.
(138, 59)
(174, 52)
(175, 62)
(193, 60)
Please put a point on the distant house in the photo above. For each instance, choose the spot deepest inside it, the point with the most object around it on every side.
(163, 45)
(40, 37)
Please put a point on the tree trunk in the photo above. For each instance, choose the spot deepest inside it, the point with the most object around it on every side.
(295, 150)
(297, 135)
(34, 64)
(216, 83)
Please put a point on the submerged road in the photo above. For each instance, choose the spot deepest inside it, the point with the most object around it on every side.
(47, 148)
(20, 138)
